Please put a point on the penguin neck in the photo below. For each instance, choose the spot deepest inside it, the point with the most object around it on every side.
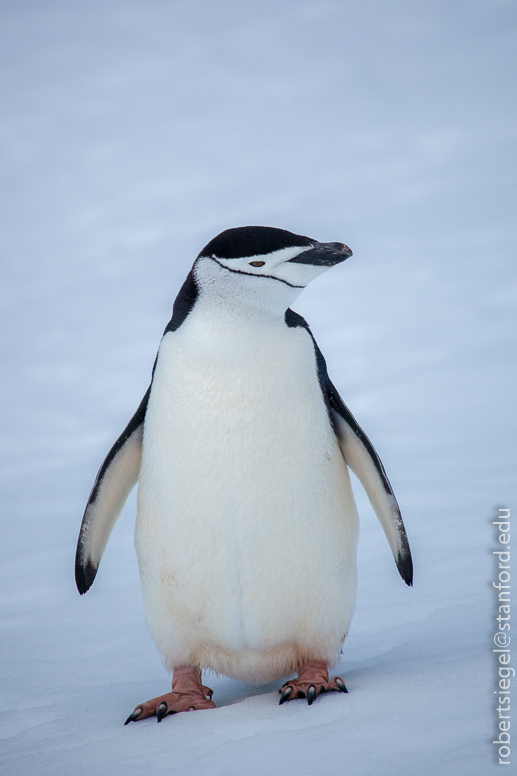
(229, 334)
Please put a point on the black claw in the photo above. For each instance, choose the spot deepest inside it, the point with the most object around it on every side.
(134, 715)
(285, 694)
(311, 694)
(340, 684)
(161, 711)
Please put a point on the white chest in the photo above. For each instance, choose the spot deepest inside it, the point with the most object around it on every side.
(240, 410)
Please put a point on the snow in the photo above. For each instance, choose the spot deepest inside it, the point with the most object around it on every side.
(132, 133)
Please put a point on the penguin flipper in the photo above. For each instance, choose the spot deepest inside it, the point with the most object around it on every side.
(361, 457)
(114, 482)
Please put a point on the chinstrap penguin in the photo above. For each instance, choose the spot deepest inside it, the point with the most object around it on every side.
(246, 529)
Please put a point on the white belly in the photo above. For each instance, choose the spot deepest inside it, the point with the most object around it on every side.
(247, 529)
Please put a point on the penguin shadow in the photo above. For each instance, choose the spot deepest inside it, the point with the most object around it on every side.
(229, 691)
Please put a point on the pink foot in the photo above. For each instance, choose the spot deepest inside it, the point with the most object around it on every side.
(313, 679)
(188, 694)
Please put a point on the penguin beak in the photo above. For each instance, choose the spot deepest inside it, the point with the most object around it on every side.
(323, 254)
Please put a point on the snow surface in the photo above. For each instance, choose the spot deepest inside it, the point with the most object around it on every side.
(132, 133)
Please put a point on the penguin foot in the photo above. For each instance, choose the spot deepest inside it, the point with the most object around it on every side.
(187, 694)
(313, 679)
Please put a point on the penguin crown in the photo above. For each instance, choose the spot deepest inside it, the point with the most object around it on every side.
(246, 241)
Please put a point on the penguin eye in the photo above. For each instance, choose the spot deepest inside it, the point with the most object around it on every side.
(257, 263)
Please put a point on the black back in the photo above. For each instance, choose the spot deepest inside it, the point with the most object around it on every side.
(183, 303)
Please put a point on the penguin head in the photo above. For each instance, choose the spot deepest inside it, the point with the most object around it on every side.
(263, 265)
